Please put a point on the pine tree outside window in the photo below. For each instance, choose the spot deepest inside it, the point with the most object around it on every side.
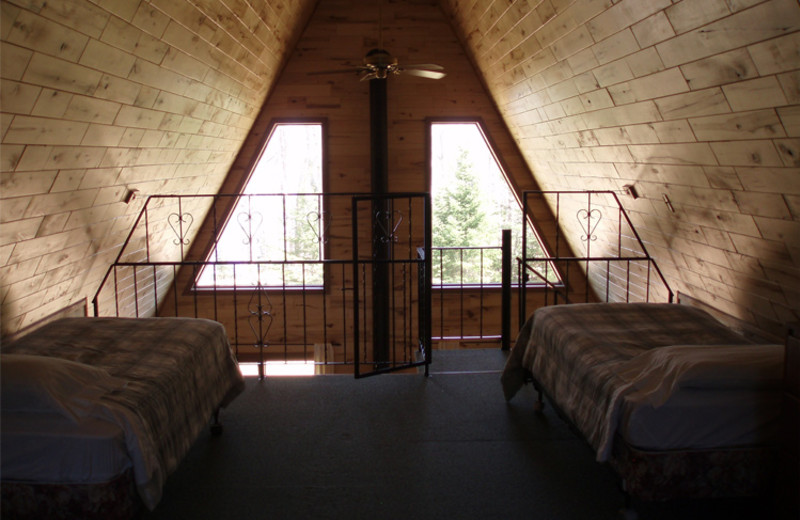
(472, 204)
(277, 219)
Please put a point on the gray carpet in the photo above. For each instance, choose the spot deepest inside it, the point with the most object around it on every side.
(402, 447)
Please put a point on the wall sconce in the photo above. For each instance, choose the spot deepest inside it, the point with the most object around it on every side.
(130, 195)
(630, 189)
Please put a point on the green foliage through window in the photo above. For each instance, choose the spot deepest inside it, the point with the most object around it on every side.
(472, 204)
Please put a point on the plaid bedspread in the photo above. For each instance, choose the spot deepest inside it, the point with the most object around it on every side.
(574, 351)
(179, 370)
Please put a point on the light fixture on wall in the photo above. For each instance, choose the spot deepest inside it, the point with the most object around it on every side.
(630, 189)
(130, 195)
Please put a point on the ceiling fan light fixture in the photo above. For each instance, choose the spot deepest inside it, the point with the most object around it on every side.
(379, 64)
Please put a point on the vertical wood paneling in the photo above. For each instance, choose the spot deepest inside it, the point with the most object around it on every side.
(338, 36)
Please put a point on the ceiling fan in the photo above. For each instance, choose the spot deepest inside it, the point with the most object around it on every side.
(379, 64)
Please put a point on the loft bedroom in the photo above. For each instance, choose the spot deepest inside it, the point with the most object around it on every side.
(166, 98)
(685, 113)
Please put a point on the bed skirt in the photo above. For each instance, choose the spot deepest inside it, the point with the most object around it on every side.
(718, 473)
(116, 499)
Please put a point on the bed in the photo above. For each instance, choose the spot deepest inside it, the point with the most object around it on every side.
(677, 403)
(97, 412)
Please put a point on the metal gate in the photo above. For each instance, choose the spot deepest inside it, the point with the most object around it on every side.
(392, 276)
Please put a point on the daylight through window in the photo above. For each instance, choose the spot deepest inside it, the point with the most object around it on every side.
(274, 237)
(472, 204)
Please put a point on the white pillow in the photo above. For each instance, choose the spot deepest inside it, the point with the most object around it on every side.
(46, 384)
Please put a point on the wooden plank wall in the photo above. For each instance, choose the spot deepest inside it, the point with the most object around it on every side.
(100, 97)
(697, 101)
(338, 36)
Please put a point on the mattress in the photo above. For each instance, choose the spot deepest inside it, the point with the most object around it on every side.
(49, 448)
(607, 367)
(704, 420)
(158, 381)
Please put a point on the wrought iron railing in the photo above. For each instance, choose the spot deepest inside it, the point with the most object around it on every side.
(593, 253)
(345, 283)
(472, 292)
(301, 283)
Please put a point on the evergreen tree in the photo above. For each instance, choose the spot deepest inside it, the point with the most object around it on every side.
(458, 211)
(458, 219)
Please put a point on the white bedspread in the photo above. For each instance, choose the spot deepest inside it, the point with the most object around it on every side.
(662, 376)
(40, 386)
(654, 377)
(158, 379)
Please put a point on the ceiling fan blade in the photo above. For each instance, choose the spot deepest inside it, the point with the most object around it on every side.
(430, 74)
(371, 75)
(355, 70)
(428, 66)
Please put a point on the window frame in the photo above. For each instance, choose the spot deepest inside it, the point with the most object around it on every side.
(241, 185)
(512, 185)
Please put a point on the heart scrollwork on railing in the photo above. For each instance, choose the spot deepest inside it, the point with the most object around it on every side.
(319, 224)
(180, 224)
(589, 221)
(250, 222)
(388, 222)
(260, 319)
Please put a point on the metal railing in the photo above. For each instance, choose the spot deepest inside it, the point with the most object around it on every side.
(348, 287)
(305, 292)
(595, 253)
(472, 292)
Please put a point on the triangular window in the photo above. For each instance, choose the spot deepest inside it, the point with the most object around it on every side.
(472, 203)
(273, 237)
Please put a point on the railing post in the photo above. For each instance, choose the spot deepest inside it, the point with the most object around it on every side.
(505, 312)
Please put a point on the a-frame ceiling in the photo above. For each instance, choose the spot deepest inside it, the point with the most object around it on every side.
(698, 100)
